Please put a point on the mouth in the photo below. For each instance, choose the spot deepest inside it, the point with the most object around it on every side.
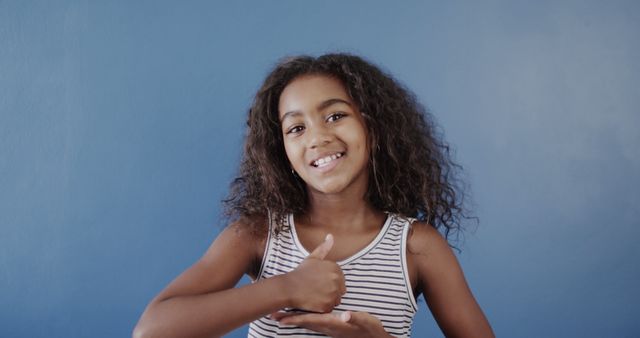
(326, 160)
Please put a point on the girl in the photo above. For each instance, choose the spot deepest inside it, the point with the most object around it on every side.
(336, 210)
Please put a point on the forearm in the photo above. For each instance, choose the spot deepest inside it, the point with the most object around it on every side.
(212, 314)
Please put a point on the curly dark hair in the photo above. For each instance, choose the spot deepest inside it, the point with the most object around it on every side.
(410, 168)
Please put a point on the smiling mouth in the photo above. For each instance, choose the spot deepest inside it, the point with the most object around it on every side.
(324, 161)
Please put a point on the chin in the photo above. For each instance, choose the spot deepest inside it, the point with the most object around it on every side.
(337, 184)
(329, 188)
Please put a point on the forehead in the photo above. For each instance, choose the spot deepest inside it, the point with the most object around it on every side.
(306, 92)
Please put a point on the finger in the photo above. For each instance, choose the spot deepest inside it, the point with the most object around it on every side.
(345, 316)
(353, 317)
(312, 319)
(279, 315)
(361, 319)
(287, 313)
(323, 249)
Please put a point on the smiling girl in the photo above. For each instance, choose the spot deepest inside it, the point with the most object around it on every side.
(341, 212)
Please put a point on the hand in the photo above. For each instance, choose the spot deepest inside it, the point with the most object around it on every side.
(345, 325)
(316, 284)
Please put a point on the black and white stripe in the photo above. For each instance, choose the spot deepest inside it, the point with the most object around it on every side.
(376, 277)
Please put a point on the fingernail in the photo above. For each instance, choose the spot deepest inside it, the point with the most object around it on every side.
(326, 238)
(345, 316)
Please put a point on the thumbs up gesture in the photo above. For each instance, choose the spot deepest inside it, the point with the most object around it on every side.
(316, 284)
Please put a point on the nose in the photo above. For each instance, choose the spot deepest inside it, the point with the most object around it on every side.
(319, 136)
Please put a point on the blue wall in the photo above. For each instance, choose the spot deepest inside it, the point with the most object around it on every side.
(121, 125)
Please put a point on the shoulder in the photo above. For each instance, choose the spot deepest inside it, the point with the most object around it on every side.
(245, 238)
(250, 230)
(424, 239)
(430, 256)
(246, 231)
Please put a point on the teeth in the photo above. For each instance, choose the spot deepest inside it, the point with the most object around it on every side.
(326, 160)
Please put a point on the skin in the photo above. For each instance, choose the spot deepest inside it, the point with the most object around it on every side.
(318, 118)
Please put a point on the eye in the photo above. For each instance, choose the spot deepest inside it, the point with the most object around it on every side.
(295, 130)
(336, 116)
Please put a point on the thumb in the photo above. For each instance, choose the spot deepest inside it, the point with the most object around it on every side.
(355, 318)
(347, 317)
(323, 249)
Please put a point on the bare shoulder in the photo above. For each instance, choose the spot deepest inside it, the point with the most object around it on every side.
(424, 239)
(239, 237)
(431, 256)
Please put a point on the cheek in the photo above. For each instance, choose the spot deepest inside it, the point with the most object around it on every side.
(364, 147)
(361, 140)
(292, 153)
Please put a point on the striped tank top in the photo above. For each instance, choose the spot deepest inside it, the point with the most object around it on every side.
(376, 277)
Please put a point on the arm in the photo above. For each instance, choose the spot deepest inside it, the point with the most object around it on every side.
(442, 282)
(202, 300)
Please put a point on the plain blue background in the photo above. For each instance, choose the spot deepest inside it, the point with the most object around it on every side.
(121, 125)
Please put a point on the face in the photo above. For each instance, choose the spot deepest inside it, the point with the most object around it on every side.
(325, 136)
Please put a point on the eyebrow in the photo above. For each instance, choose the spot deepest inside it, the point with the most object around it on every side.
(322, 106)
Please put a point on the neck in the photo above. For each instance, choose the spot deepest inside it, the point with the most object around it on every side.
(341, 211)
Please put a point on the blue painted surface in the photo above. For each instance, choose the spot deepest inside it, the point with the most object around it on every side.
(121, 126)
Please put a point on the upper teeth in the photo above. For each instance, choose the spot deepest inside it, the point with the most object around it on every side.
(325, 160)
